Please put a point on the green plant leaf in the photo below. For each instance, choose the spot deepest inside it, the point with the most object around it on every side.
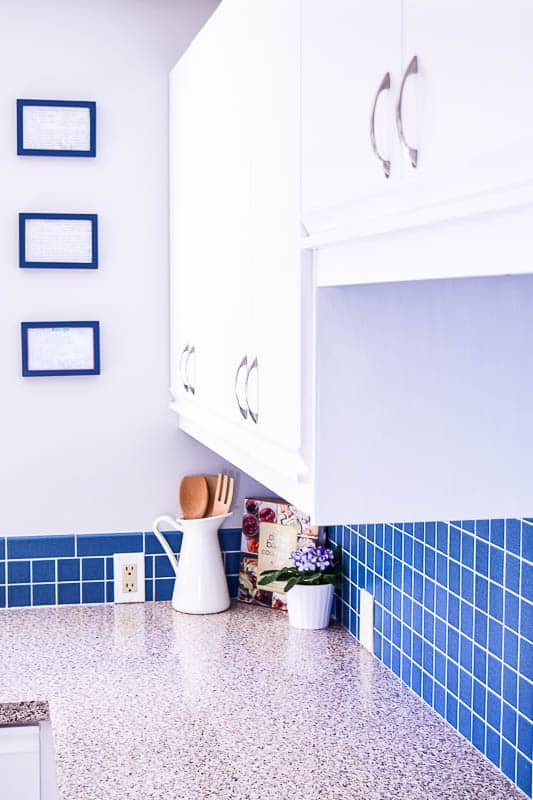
(293, 582)
(283, 574)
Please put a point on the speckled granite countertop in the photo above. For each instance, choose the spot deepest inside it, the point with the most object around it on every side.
(147, 703)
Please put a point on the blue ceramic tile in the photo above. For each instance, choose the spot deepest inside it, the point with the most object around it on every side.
(2, 572)
(467, 619)
(525, 697)
(525, 738)
(465, 721)
(508, 761)
(109, 568)
(93, 592)
(527, 581)
(68, 593)
(165, 586)
(493, 747)
(509, 723)
(483, 529)
(163, 567)
(43, 572)
(44, 594)
(467, 584)
(68, 569)
(482, 557)
(467, 550)
(510, 648)
(2, 548)
(495, 601)
(149, 590)
(40, 546)
(455, 577)
(512, 573)
(478, 733)
(527, 541)
(18, 572)
(481, 593)
(494, 673)
(494, 710)
(430, 532)
(526, 620)
(230, 539)
(109, 592)
(452, 677)
(442, 537)
(465, 687)
(496, 564)
(497, 531)
(495, 638)
(2, 596)
(107, 544)
(480, 664)
(526, 659)
(453, 644)
(512, 535)
(18, 596)
(510, 686)
(481, 627)
(479, 698)
(453, 610)
(92, 569)
(511, 611)
(451, 709)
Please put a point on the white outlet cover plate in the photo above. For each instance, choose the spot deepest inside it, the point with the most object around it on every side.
(366, 620)
(119, 559)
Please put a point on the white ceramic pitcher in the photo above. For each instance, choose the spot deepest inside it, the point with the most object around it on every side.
(201, 586)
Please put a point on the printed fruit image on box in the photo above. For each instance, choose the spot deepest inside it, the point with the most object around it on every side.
(271, 530)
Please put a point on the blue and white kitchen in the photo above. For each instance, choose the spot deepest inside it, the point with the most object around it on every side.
(266, 380)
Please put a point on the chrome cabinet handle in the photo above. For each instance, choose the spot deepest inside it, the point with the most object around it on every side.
(385, 84)
(192, 352)
(184, 352)
(242, 365)
(412, 69)
(254, 415)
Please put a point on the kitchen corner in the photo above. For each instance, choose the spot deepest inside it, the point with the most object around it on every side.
(145, 702)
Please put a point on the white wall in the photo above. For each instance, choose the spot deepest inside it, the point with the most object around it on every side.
(90, 454)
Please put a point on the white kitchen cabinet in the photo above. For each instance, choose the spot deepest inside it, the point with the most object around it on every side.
(462, 130)
(406, 399)
(348, 49)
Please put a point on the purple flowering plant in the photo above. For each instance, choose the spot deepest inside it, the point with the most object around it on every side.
(313, 566)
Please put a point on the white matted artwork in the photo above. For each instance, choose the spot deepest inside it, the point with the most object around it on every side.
(58, 240)
(56, 127)
(60, 348)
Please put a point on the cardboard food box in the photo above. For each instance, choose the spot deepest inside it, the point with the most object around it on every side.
(271, 530)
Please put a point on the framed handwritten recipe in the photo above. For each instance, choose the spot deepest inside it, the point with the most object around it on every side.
(60, 348)
(56, 128)
(58, 241)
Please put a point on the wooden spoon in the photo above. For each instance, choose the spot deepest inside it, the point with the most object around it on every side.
(194, 496)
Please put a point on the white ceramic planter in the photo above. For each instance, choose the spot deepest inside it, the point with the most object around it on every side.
(309, 607)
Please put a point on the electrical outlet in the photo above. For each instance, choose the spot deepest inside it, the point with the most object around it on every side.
(129, 577)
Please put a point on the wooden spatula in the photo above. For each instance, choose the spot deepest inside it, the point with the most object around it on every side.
(220, 494)
(194, 496)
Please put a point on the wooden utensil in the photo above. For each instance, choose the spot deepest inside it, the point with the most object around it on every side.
(194, 496)
(220, 494)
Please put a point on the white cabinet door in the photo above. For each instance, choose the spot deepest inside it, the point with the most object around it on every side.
(210, 201)
(275, 292)
(468, 111)
(347, 50)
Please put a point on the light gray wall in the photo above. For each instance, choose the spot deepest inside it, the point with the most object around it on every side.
(93, 453)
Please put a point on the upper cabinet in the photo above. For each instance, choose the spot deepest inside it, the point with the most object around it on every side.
(433, 93)
(351, 67)
(334, 143)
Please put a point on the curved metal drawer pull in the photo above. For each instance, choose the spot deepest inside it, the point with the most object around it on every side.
(184, 352)
(192, 351)
(254, 415)
(242, 365)
(385, 84)
(412, 69)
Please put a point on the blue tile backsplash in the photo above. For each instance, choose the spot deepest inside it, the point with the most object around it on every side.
(454, 621)
(66, 570)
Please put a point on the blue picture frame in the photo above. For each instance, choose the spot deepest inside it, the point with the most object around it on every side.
(25, 151)
(25, 264)
(30, 373)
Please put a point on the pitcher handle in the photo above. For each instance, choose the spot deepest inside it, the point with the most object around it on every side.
(168, 520)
